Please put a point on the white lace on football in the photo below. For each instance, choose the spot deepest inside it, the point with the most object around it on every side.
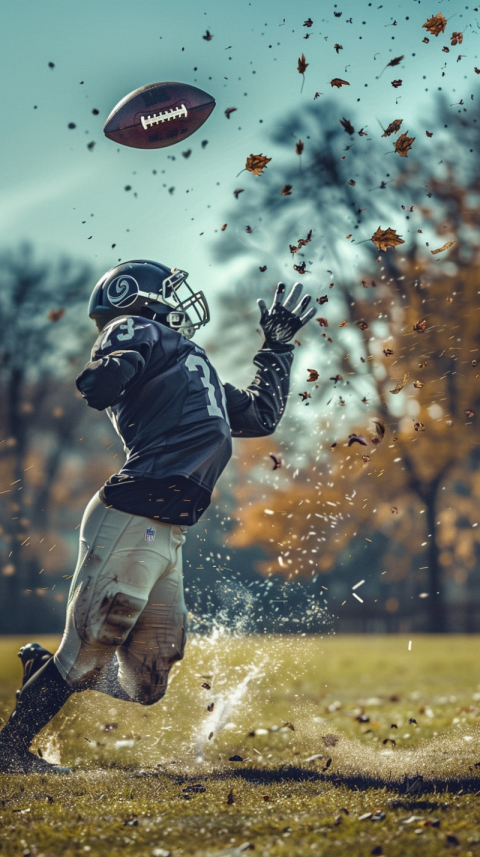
(155, 118)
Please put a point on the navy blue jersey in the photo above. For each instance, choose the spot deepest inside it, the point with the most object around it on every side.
(174, 416)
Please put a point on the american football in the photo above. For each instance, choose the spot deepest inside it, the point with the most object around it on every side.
(158, 115)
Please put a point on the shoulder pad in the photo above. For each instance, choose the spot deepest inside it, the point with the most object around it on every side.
(124, 330)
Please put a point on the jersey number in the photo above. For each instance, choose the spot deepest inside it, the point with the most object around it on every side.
(128, 327)
(193, 363)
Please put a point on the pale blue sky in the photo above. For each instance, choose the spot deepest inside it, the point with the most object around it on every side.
(51, 181)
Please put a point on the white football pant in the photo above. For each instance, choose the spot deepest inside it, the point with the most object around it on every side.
(126, 598)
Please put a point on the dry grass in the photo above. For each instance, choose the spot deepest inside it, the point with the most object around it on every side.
(130, 789)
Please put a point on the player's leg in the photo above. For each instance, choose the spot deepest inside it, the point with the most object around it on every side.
(158, 639)
(44, 692)
(109, 591)
(107, 596)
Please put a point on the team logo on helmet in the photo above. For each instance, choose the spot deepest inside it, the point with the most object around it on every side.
(123, 291)
(150, 534)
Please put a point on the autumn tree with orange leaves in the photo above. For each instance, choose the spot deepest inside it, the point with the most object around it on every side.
(416, 339)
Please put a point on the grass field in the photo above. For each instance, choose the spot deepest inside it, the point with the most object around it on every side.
(332, 733)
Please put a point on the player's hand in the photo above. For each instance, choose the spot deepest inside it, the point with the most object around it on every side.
(286, 316)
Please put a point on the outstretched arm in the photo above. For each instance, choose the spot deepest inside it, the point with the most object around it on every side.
(256, 411)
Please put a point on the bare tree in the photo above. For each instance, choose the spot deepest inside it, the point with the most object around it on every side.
(41, 337)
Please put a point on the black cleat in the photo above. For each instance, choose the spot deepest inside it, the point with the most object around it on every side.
(15, 759)
(33, 656)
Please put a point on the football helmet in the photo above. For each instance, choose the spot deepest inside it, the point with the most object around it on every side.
(142, 287)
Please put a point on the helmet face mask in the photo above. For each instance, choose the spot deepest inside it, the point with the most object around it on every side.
(149, 289)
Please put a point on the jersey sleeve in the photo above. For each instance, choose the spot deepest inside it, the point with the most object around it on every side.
(119, 358)
(257, 410)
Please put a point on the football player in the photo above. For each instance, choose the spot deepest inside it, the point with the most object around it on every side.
(126, 615)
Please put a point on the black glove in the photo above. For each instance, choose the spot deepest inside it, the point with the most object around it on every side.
(284, 318)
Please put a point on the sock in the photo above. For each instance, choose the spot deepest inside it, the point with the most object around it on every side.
(40, 699)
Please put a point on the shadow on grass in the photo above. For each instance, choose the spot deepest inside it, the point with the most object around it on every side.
(410, 787)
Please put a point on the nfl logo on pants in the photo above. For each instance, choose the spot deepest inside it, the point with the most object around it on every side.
(150, 534)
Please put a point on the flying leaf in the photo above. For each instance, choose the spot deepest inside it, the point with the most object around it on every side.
(419, 427)
(248, 229)
(187, 153)
(302, 67)
(262, 268)
(338, 48)
(313, 375)
(356, 438)
(318, 94)
(384, 238)
(277, 461)
(436, 24)
(420, 326)
(208, 36)
(322, 300)
(322, 321)
(396, 83)
(237, 192)
(287, 190)
(429, 133)
(418, 384)
(401, 384)
(347, 125)
(338, 82)
(403, 145)
(362, 325)
(224, 227)
(305, 395)
(256, 164)
(302, 242)
(393, 127)
(441, 249)
(456, 39)
(388, 352)
(230, 110)
(55, 314)
(308, 22)
(395, 61)
(300, 269)
(299, 146)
